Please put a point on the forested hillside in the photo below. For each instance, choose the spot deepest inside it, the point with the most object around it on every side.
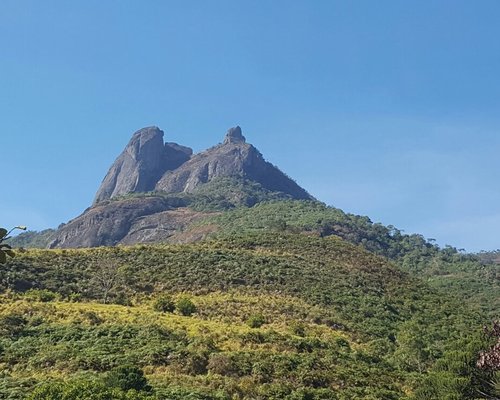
(249, 316)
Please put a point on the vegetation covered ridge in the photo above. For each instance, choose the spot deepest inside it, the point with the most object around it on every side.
(321, 295)
(473, 278)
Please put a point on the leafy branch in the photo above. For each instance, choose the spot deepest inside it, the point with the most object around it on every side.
(5, 249)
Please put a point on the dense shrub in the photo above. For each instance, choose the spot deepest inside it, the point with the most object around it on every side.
(256, 320)
(43, 295)
(12, 324)
(128, 377)
(84, 390)
(339, 317)
(164, 303)
(185, 306)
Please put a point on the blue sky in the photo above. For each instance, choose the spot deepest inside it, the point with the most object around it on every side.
(383, 108)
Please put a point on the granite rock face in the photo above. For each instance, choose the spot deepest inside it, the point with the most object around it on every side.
(128, 221)
(234, 135)
(144, 160)
(149, 165)
(233, 158)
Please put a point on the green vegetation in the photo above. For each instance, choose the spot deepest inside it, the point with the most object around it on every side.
(459, 374)
(185, 306)
(84, 390)
(6, 249)
(32, 239)
(127, 377)
(219, 194)
(164, 303)
(256, 320)
(287, 300)
(473, 278)
(257, 315)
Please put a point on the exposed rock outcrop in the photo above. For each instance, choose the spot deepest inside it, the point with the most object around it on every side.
(233, 158)
(144, 160)
(147, 164)
(128, 221)
(234, 135)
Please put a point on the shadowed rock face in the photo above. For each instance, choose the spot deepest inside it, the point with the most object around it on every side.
(141, 164)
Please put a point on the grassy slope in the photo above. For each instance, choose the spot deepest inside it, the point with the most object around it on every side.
(339, 319)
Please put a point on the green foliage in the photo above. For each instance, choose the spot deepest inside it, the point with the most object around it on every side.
(456, 376)
(471, 278)
(127, 377)
(83, 390)
(226, 193)
(164, 303)
(341, 323)
(5, 249)
(185, 306)
(256, 320)
(32, 239)
(42, 295)
(12, 324)
(219, 194)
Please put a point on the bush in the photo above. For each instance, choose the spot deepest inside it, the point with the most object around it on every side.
(83, 390)
(185, 306)
(164, 303)
(12, 324)
(75, 297)
(298, 329)
(256, 321)
(127, 377)
(43, 295)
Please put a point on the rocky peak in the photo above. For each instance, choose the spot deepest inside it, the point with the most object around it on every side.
(234, 135)
(148, 164)
(234, 158)
(141, 164)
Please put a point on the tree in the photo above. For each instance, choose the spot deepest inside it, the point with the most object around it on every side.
(489, 363)
(411, 353)
(5, 249)
(107, 278)
(466, 371)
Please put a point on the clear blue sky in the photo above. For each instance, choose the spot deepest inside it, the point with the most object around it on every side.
(383, 108)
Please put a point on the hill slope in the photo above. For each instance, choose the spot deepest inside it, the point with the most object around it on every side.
(338, 322)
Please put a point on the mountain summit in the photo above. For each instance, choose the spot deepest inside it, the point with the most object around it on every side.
(147, 164)
(234, 135)
(153, 190)
(233, 158)
(141, 164)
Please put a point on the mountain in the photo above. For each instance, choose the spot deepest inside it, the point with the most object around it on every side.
(141, 164)
(147, 164)
(144, 195)
(285, 298)
(233, 158)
